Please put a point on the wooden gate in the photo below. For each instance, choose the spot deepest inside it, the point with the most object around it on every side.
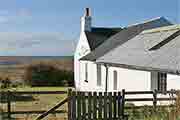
(96, 105)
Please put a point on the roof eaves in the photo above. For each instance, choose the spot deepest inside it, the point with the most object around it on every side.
(161, 29)
(141, 68)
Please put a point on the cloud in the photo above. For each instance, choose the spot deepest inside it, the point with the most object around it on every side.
(20, 43)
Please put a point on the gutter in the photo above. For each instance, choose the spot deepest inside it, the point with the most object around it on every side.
(106, 82)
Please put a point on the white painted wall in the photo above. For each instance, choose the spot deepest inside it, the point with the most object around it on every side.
(129, 79)
(82, 49)
(173, 82)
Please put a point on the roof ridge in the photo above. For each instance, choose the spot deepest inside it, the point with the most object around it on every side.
(146, 21)
(98, 27)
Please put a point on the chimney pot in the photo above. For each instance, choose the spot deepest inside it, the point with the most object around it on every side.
(87, 12)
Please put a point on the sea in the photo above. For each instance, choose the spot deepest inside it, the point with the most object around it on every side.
(12, 60)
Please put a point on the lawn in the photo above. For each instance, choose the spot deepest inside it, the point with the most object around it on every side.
(39, 102)
(40, 89)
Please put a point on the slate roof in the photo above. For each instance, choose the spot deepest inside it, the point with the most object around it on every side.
(137, 54)
(98, 35)
(123, 36)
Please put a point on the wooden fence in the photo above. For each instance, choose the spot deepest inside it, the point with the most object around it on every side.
(169, 96)
(96, 105)
(10, 94)
(109, 105)
(92, 105)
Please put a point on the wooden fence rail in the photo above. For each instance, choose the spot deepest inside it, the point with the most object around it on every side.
(10, 94)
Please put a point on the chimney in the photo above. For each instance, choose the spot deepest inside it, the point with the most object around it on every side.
(87, 12)
(86, 21)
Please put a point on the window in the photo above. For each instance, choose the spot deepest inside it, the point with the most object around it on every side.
(99, 75)
(86, 72)
(115, 80)
(162, 82)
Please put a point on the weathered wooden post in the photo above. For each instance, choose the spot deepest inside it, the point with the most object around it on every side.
(79, 103)
(114, 105)
(119, 104)
(9, 104)
(105, 105)
(154, 99)
(73, 105)
(123, 103)
(110, 105)
(89, 105)
(69, 104)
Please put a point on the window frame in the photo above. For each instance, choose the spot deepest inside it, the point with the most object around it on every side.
(162, 82)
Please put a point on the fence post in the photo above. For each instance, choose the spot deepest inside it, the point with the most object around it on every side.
(9, 104)
(105, 105)
(114, 105)
(74, 105)
(69, 104)
(123, 103)
(154, 99)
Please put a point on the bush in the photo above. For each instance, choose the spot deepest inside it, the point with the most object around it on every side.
(5, 83)
(48, 75)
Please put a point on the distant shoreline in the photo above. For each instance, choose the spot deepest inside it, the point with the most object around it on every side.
(12, 60)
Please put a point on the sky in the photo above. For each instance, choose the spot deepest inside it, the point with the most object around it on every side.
(52, 27)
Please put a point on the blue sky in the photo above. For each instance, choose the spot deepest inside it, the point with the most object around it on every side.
(51, 27)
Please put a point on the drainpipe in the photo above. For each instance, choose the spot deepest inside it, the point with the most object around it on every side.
(106, 66)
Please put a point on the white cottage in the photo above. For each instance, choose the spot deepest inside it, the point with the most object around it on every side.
(143, 56)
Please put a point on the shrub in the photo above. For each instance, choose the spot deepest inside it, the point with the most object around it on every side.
(5, 83)
(48, 75)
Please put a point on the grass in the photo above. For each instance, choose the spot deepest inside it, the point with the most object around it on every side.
(39, 102)
(40, 89)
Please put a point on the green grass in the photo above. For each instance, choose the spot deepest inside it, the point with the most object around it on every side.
(40, 89)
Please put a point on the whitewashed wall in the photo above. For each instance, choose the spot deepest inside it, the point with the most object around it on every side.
(129, 79)
(173, 82)
(91, 85)
(82, 49)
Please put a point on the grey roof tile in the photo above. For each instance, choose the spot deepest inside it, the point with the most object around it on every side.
(136, 54)
(123, 36)
(98, 35)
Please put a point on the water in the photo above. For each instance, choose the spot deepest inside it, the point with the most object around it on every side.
(14, 60)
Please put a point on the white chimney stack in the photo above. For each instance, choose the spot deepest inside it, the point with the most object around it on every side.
(86, 21)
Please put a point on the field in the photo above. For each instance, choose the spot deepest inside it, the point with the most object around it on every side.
(13, 67)
(38, 102)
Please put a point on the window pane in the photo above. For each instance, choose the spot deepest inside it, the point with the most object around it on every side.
(86, 72)
(115, 80)
(162, 82)
(98, 75)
